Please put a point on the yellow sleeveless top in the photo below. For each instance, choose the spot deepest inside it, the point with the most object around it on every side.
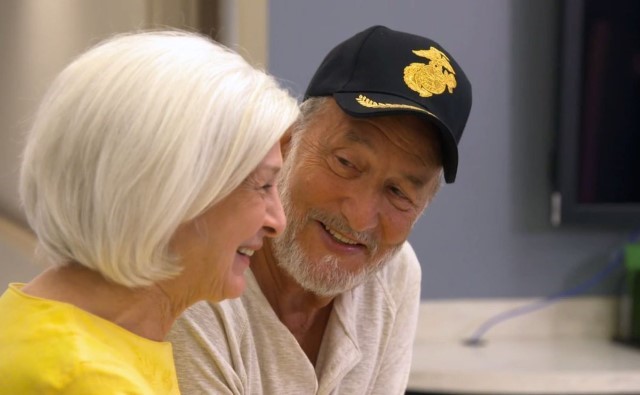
(50, 347)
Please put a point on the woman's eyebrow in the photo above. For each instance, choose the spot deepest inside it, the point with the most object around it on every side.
(271, 169)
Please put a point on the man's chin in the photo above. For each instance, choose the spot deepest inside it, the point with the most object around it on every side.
(331, 282)
(324, 276)
(340, 289)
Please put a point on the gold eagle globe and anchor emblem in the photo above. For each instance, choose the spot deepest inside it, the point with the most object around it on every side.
(431, 78)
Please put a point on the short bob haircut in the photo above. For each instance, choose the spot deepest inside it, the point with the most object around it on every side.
(137, 136)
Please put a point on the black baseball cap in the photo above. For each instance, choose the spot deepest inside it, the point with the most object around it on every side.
(380, 71)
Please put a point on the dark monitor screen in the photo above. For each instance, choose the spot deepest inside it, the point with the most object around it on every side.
(599, 113)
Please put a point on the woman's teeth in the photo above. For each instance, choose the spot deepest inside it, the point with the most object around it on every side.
(340, 237)
(245, 251)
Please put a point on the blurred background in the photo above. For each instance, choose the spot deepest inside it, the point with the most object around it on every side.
(489, 235)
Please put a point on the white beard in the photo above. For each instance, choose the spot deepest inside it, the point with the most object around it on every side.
(326, 276)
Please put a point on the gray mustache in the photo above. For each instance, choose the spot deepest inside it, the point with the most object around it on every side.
(340, 225)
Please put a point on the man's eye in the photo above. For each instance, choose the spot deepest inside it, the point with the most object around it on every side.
(342, 166)
(398, 192)
(345, 162)
(399, 199)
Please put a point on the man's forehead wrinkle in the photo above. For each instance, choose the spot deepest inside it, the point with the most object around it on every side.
(359, 138)
(397, 139)
(412, 147)
(416, 181)
(405, 132)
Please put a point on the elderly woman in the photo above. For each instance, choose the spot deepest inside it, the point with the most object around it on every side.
(149, 180)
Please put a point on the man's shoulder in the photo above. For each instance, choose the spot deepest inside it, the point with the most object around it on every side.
(398, 280)
(206, 321)
(403, 266)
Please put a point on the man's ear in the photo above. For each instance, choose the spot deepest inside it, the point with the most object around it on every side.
(285, 142)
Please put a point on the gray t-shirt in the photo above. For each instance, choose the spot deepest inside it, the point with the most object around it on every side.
(239, 346)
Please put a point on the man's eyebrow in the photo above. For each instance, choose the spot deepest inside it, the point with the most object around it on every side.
(358, 138)
(415, 181)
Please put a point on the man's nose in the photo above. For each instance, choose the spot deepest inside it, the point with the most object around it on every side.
(362, 209)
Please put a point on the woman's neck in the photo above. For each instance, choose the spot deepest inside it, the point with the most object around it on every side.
(145, 311)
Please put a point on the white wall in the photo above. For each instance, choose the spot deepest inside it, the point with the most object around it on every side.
(37, 39)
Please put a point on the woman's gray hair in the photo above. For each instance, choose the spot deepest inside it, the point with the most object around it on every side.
(138, 135)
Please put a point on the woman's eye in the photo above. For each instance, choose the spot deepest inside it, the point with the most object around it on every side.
(267, 187)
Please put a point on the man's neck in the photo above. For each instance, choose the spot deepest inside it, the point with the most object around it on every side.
(304, 313)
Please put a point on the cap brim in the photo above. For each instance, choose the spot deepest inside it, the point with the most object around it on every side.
(370, 104)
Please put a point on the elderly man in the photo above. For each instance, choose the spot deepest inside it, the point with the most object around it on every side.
(331, 306)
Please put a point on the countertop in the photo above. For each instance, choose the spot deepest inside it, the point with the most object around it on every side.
(564, 349)
(558, 366)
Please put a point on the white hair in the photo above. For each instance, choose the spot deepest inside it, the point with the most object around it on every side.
(138, 135)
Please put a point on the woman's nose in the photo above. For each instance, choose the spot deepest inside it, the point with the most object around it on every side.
(275, 220)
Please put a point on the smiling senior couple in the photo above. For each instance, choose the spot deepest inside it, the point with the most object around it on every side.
(153, 177)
